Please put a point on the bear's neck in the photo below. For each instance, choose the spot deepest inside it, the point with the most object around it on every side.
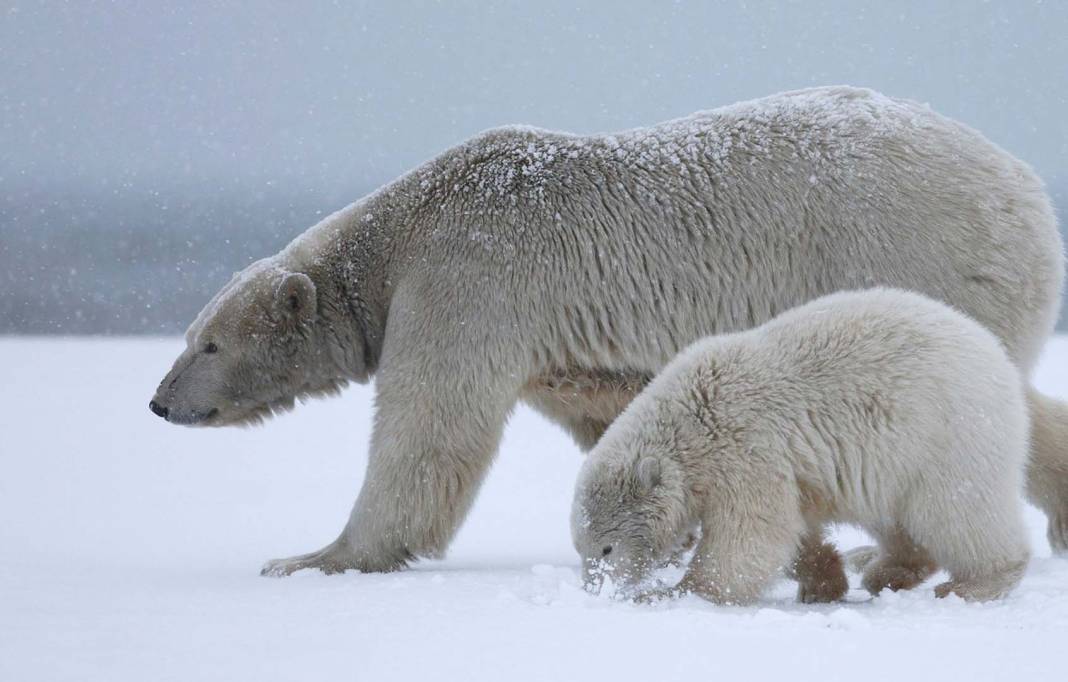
(349, 256)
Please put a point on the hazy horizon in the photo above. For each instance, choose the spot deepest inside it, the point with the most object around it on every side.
(147, 152)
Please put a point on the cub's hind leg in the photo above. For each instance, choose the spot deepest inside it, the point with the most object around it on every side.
(971, 519)
(980, 540)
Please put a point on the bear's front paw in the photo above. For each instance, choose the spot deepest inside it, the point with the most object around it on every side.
(334, 558)
(328, 560)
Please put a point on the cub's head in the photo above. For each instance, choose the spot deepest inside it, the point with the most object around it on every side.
(258, 345)
(629, 515)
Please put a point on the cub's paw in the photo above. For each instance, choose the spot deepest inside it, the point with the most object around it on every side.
(974, 591)
(660, 594)
(995, 585)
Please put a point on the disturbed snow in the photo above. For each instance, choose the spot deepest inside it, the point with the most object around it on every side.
(131, 551)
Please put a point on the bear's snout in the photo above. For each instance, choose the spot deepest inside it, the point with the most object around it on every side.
(157, 409)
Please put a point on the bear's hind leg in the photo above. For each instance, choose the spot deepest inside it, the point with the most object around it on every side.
(1047, 468)
(901, 563)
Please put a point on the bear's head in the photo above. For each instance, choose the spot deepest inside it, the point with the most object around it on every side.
(628, 517)
(258, 345)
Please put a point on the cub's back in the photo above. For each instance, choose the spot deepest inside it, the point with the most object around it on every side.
(884, 333)
(866, 392)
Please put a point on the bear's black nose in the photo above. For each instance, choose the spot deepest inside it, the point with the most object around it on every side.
(158, 409)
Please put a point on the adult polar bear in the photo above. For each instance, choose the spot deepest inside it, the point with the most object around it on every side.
(567, 270)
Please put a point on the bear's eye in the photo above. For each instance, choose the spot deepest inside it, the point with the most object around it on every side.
(211, 348)
(606, 551)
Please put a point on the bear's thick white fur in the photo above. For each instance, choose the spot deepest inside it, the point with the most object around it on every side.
(880, 408)
(567, 270)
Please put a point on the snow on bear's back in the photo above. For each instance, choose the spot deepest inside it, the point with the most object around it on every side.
(513, 165)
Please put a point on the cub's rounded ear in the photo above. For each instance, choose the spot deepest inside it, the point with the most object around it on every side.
(296, 296)
(649, 472)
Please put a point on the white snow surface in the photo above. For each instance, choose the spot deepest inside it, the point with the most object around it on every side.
(130, 550)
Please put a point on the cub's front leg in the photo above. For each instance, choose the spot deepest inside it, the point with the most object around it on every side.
(750, 532)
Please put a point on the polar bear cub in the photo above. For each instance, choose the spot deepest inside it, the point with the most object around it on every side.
(880, 408)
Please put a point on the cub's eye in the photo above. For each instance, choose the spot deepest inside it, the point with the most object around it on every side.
(606, 551)
(211, 348)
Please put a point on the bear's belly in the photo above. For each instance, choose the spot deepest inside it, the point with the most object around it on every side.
(591, 393)
(583, 400)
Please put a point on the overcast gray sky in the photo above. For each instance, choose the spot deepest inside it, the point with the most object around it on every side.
(351, 94)
(149, 149)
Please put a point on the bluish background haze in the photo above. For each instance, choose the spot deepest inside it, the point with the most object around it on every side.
(148, 150)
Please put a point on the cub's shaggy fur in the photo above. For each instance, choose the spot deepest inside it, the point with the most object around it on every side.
(567, 270)
(880, 408)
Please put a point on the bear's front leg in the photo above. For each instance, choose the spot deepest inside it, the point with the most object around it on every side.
(439, 418)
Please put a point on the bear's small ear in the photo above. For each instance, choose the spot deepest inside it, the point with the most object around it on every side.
(296, 296)
(649, 472)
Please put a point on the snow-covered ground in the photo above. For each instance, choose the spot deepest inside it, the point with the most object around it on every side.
(130, 550)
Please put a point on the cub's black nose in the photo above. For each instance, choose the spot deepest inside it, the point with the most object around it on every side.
(157, 409)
